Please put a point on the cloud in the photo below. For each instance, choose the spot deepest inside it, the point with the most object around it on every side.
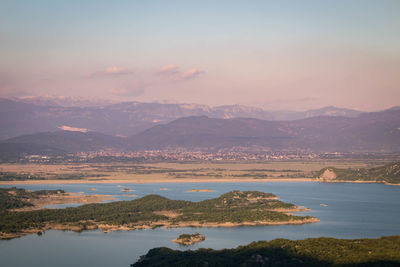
(73, 129)
(174, 73)
(117, 71)
(126, 91)
(168, 70)
(111, 71)
(189, 74)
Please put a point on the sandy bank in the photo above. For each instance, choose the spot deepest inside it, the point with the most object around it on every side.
(64, 198)
(157, 180)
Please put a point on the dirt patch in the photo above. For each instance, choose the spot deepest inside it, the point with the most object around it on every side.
(167, 213)
(64, 198)
(328, 175)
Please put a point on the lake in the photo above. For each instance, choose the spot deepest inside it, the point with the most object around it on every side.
(352, 211)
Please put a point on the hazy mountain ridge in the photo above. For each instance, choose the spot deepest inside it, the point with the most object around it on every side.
(64, 101)
(126, 118)
(375, 132)
(68, 141)
(15, 150)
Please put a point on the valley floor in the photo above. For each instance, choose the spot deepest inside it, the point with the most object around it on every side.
(167, 172)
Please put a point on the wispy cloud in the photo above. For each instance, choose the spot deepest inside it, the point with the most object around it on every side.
(189, 74)
(174, 73)
(168, 70)
(110, 71)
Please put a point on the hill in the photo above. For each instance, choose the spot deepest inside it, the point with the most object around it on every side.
(389, 173)
(61, 141)
(376, 131)
(15, 150)
(282, 252)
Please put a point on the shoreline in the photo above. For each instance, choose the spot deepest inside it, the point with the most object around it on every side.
(106, 228)
(155, 181)
(185, 180)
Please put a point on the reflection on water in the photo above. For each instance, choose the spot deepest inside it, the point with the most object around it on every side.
(353, 211)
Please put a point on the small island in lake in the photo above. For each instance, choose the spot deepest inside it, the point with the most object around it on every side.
(200, 190)
(236, 208)
(127, 190)
(186, 239)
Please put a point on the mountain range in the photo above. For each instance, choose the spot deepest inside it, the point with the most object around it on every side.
(32, 115)
(373, 131)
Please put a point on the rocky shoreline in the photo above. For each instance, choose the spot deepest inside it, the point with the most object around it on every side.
(90, 225)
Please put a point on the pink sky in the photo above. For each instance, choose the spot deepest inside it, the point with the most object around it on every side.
(275, 56)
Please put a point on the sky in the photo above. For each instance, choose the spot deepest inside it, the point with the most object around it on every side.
(292, 55)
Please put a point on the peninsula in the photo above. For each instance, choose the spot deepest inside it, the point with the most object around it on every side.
(389, 174)
(231, 209)
(18, 199)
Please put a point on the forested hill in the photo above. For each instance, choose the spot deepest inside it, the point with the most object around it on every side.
(389, 173)
(235, 208)
(284, 253)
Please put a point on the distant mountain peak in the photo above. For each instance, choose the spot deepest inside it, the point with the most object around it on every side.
(64, 101)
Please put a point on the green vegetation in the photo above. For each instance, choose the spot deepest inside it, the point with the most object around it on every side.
(15, 198)
(186, 239)
(167, 170)
(14, 176)
(282, 252)
(389, 173)
(233, 207)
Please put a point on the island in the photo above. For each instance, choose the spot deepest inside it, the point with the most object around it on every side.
(186, 239)
(200, 190)
(316, 252)
(127, 190)
(236, 208)
(388, 174)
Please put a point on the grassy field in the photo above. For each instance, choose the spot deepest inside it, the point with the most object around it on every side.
(169, 172)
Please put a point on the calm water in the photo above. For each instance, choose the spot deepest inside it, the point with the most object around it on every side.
(353, 211)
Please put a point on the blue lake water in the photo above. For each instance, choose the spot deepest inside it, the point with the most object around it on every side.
(353, 211)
